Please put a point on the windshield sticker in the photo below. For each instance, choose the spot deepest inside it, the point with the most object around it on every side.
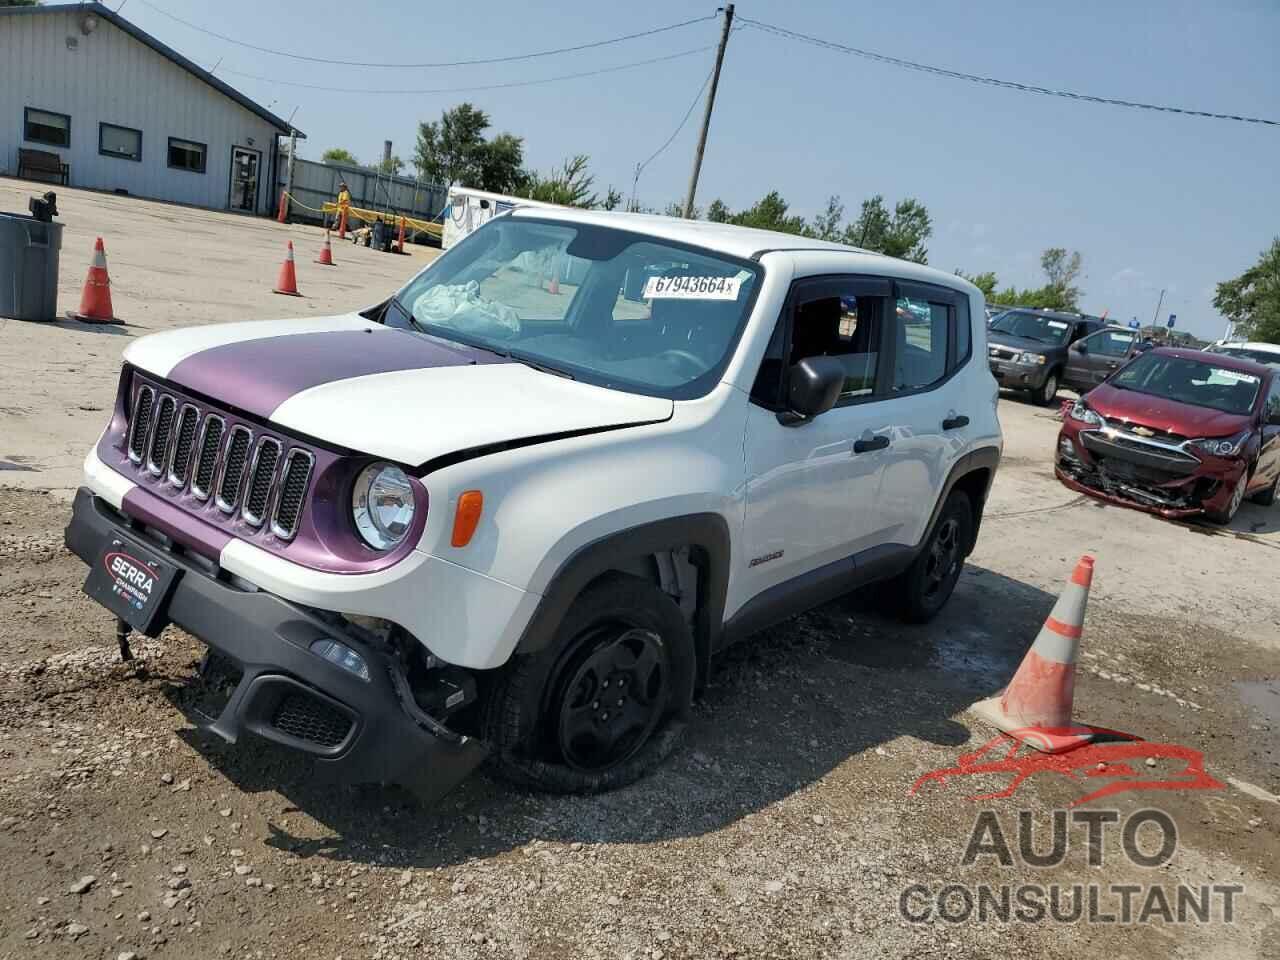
(1234, 376)
(1057, 325)
(692, 288)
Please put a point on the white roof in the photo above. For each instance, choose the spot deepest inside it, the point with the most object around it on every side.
(816, 256)
(724, 237)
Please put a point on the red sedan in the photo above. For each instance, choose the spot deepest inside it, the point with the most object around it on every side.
(1177, 433)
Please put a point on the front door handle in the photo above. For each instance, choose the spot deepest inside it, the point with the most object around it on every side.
(875, 443)
(955, 423)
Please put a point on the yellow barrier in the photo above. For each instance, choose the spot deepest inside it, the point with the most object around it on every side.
(369, 216)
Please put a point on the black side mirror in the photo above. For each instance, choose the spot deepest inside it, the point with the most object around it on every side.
(1081, 346)
(813, 387)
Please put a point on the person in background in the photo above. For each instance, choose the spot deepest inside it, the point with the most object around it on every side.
(344, 202)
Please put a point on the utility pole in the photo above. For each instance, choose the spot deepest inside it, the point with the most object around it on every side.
(706, 117)
(1155, 317)
(293, 149)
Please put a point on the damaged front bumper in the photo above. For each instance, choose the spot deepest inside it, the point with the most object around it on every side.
(358, 728)
(1162, 483)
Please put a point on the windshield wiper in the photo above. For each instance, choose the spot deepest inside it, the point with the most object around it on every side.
(541, 367)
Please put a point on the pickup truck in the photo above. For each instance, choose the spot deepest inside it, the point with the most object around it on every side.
(517, 509)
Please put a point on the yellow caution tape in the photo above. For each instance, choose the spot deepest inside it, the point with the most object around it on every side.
(369, 216)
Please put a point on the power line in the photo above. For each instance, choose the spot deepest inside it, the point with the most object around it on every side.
(992, 81)
(675, 133)
(455, 63)
(487, 86)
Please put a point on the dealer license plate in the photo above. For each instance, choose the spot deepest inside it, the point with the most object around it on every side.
(133, 582)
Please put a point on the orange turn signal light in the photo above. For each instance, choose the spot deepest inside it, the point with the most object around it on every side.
(465, 521)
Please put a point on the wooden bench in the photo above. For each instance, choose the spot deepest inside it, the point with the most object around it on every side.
(43, 164)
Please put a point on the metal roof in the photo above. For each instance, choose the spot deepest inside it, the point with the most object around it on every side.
(166, 51)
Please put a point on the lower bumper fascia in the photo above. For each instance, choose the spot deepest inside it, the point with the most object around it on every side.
(357, 730)
(1169, 513)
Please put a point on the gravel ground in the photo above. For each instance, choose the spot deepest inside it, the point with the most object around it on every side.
(782, 827)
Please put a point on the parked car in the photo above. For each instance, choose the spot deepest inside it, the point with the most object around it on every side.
(499, 514)
(1027, 349)
(1178, 433)
(1259, 352)
(1092, 359)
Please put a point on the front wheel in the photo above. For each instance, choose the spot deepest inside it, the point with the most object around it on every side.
(1265, 498)
(1047, 391)
(605, 704)
(1228, 514)
(926, 585)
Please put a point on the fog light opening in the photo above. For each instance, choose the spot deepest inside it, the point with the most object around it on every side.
(342, 656)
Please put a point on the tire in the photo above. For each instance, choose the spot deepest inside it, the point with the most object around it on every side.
(1265, 498)
(1045, 394)
(543, 717)
(1224, 517)
(924, 588)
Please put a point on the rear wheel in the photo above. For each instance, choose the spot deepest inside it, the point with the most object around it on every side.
(1048, 391)
(927, 584)
(606, 703)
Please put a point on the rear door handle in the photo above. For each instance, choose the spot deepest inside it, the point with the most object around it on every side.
(955, 423)
(875, 443)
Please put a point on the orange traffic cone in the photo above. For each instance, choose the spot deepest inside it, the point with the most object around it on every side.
(1036, 706)
(326, 253)
(95, 300)
(400, 239)
(287, 281)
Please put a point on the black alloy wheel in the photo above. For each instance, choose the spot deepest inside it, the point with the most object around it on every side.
(611, 696)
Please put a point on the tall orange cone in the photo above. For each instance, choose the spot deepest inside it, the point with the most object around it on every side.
(326, 253)
(1036, 705)
(287, 281)
(553, 288)
(95, 300)
(400, 239)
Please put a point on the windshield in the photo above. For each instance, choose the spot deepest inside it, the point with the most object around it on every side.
(611, 307)
(1271, 357)
(1190, 381)
(1032, 326)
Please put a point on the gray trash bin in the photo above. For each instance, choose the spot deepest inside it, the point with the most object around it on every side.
(29, 251)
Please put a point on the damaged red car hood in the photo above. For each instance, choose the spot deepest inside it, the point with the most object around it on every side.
(1159, 413)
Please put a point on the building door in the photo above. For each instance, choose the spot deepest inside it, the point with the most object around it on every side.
(243, 194)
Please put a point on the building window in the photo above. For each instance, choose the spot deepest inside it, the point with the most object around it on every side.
(187, 155)
(122, 142)
(41, 126)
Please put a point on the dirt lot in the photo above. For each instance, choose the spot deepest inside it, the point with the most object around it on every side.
(783, 827)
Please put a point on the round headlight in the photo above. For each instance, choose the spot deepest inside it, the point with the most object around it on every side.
(382, 505)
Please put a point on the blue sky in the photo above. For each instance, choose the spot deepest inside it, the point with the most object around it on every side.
(1151, 200)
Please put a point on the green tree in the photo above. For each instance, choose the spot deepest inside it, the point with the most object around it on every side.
(569, 185)
(769, 213)
(1251, 301)
(827, 225)
(612, 200)
(340, 156)
(500, 164)
(902, 234)
(986, 282)
(1061, 269)
(390, 166)
(448, 151)
(718, 212)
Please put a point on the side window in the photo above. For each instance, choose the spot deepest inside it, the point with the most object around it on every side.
(922, 329)
(1273, 399)
(844, 326)
(963, 332)
(1111, 343)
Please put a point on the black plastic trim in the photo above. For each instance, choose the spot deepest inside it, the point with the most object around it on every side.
(269, 639)
(706, 533)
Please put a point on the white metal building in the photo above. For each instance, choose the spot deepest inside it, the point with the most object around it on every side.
(126, 113)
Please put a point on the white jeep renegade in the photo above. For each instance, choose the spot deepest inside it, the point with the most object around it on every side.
(517, 508)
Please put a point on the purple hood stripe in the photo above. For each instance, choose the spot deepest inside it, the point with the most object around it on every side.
(259, 375)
